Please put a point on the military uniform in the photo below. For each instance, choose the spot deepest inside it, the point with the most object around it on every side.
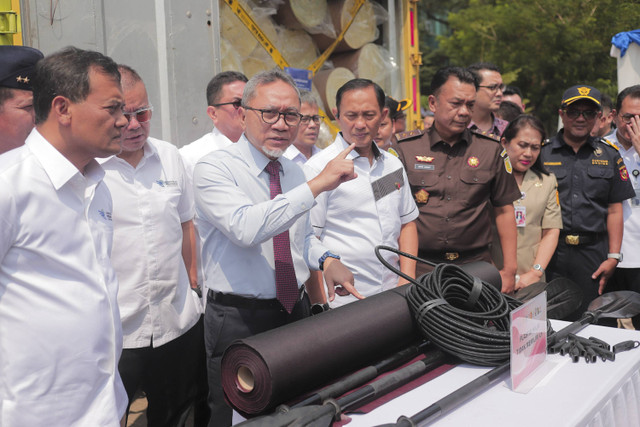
(588, 181)
(452, 186)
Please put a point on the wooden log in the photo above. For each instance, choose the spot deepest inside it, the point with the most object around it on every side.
(363, 30)
(369, 62)
(297, 47)
(328, 82)
(229, 57)
(235, 32)
(302, 14)
(258, 61)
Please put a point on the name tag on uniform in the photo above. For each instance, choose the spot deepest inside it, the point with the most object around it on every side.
(521, 216)
(420, 166)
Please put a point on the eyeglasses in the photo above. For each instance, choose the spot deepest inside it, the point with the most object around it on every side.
(495, 87)
(587, 114)
(626, 118)
(236, 104)
(316, 119)
(271, 117)
(142, 115)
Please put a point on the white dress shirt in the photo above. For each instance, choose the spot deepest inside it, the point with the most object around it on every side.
(199, 148)
(150, 203)
(292, 153)
(237, 219)
(631, 235)
(60, 335)
(361, 214)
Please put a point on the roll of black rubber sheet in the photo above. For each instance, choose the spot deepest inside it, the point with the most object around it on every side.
(263, 371)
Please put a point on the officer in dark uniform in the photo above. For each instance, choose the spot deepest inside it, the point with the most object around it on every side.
(592, 183)
(17, 65)
(454, 174)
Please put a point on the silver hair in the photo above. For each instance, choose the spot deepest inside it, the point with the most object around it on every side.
(264, 78)
(307, 97)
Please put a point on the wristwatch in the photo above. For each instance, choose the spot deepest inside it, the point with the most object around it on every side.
(539, 268)
(324, 257)
(617, 256)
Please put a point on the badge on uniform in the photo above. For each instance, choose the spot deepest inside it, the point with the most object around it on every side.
(393, 152)
(521, 216)
(473, 162)
(507, 165)
(598, 151)
(422, 196)
(624, 174)
(424, 159)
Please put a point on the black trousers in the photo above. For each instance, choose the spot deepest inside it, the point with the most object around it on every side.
(222, 325)
(172, 377)
(578, 263)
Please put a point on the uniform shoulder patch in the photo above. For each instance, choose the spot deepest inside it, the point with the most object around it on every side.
(409, 135)
(609, 143)
(487, 135)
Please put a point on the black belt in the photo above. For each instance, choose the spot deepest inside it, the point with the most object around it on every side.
(451, 255)
(576, 239)
(239, 301)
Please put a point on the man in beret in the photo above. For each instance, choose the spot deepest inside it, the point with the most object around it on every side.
(17, 64)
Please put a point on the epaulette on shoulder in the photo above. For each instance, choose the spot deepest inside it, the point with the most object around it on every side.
(488, 135)
(609, 143)
(409, 135)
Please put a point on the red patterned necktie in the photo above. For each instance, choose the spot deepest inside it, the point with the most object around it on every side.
(286, 283)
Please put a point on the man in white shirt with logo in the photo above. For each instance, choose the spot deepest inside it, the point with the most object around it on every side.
(258, 245)
(154, 258)
(627, 139)
(377, 207)
(224, 93)
(60, 334)
(304, 147)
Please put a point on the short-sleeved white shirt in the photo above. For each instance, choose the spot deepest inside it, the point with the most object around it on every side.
(150, 202)
(60, 335)
(361, 214)
(197, 149)
(631, 235)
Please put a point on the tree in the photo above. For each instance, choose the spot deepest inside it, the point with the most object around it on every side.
(542, 46)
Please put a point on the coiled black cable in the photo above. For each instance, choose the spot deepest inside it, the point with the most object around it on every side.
(461, 314)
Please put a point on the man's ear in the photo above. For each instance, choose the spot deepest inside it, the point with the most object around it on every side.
(61, 108)
(211, 112)
(335, 112)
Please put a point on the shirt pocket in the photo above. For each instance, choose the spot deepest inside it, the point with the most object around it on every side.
(476, 185)
(597, 187)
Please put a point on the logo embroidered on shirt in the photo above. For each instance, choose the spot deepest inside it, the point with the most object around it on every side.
(424, 159)
(624, 174)
(105, 215)
(473, 162)
(163, 183)
(600, 162)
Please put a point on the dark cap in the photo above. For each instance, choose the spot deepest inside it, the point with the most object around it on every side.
(396, 108)
(578, 92)
(17, 65)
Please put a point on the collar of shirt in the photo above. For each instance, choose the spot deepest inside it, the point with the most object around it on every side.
(497, 126)
(559, 142)
(435, 138)
(57, 167)
(217, 134)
